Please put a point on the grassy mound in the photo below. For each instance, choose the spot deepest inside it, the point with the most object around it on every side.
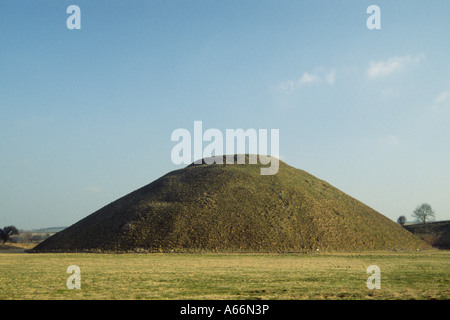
(234, 208)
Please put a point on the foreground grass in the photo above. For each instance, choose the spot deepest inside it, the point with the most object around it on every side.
(415, 275)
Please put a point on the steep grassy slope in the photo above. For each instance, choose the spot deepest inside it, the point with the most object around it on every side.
(234, 208)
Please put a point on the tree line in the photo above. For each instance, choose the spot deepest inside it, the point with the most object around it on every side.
(422, 214)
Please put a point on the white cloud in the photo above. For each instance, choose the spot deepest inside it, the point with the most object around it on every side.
(392, 141)
(307, 78)
(389, 92)
(442, 100)
(387, 141)
(442, 97)
(330, 77)
(319, 76)
(286, 87)
(392, 65)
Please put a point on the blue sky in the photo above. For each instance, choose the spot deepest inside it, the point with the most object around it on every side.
(86, 115)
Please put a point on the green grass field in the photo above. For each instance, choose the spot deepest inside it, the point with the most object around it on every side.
(415, 275)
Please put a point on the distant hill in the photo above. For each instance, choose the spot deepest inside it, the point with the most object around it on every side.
(48, 230)
(437, 234)
(36, 235)
(233, 207)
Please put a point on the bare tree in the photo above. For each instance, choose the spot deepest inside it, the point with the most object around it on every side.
(424, 213)
(401, 220)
